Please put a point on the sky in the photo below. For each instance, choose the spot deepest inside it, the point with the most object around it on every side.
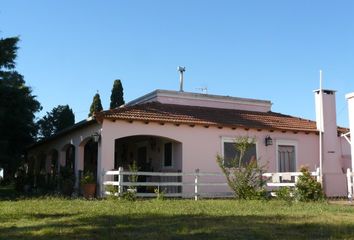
(271, 50)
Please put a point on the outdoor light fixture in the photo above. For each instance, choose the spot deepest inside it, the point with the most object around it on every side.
(268, 141)
(96, 136)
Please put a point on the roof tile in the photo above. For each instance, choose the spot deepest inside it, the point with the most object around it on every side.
(182, 114)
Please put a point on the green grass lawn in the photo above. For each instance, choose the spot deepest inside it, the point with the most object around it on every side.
(56, 218)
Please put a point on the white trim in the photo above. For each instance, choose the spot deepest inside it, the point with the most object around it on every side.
(163, 156)
(232, 140)
(281, 142)
(201, 97)
(345, 135)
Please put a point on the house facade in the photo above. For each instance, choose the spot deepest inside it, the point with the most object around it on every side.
(170, 131)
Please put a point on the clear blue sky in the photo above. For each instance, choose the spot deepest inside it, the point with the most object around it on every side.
(256, 49)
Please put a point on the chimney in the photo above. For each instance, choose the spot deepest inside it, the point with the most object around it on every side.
(326, 119)
(181, 70)
(329, 144)
(350, 99)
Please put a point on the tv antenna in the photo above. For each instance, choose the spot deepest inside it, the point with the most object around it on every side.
(204, 90)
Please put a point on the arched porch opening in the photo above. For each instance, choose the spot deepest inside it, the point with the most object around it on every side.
(90, 157)
(151, 153)
(69, 150)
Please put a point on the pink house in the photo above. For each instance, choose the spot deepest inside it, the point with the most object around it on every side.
(170, 131)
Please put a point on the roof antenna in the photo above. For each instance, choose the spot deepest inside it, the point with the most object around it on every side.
(204, 90)
(181, 71)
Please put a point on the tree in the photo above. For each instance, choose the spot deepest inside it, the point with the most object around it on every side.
(17, 109)
(58, 119)
(96, 105)
(117, 95)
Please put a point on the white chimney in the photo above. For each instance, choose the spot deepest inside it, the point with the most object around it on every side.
(329, 144)
(325, 101)
(181, 71)
(350, 99)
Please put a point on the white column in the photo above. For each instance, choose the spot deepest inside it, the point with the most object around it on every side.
(105, 159)
(350, 99)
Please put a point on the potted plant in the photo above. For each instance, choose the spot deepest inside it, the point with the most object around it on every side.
(88, 184)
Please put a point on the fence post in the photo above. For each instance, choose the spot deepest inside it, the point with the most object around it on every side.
(101, 185)
(318, 175)
(196, 184)
(350, 184)
(120, 181)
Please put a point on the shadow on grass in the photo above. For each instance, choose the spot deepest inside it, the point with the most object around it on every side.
(179, 227)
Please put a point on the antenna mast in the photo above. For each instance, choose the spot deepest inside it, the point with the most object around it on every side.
(321, 130)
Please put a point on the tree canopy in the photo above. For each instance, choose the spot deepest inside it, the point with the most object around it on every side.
(17, 109)
(117, 98)
(58, 119)
(96, 105)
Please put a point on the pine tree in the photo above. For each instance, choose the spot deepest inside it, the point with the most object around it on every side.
(117, 95)
(96, 105)
(58, 119)
(18, 107)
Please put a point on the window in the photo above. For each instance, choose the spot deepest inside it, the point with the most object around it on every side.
(167, 155)
(231, 153)
(286, 158)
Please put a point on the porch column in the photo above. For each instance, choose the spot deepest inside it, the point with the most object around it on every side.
(350, 99)
(105, 159)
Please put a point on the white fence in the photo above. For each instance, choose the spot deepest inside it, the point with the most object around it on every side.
(350, 183)
(274, 180)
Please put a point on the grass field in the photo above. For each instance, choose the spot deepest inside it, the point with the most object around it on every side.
(56, 218)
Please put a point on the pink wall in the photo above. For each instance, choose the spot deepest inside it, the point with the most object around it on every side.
(200, 146)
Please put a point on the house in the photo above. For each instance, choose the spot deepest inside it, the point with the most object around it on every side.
(175, 131)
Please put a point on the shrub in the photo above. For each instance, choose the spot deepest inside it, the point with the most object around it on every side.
(160, 195)
(244, 179)
(285, 194)
(307, 188)
(129, 195)
(66, 180)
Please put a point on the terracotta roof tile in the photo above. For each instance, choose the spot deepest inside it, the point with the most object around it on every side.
(181, 114)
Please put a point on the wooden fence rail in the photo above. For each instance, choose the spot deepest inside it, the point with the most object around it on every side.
(284, 179)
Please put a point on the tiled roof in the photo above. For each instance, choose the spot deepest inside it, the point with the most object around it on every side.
(194, 115)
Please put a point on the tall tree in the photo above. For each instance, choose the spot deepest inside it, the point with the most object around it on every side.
(117, 98)
(17, 109)
(58, 119)
(96, 105)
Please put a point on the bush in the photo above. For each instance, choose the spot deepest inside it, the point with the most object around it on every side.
(160, 195)
(113, 191)
(285, 194)
(129, 195)
(66, 180)
(244, 179)
(307, 188)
